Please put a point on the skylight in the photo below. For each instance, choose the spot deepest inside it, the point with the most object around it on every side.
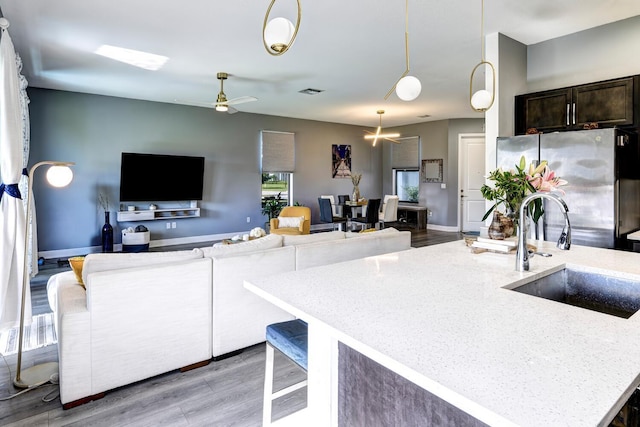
(148, 61)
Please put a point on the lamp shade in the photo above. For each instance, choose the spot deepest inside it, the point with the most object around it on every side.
(481, 100)
(278, 33)
(408, 88)
(59, 176)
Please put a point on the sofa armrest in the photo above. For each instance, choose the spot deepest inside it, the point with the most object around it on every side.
(273, 223)
(305, 226)
(73, 327)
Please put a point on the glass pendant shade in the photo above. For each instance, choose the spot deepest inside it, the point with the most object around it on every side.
(59, 176)
(279, 33)
(408, 88)
(481, 100)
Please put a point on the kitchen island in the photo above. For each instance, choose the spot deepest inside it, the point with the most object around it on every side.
(447, 321)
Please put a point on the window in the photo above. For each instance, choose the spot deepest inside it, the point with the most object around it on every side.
(278, 164)
(276, 187)
(405, 163)
(407, 184)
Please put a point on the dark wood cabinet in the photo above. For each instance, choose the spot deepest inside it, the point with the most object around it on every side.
(603, 104)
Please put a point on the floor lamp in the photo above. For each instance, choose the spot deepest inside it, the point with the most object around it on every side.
(58, 175)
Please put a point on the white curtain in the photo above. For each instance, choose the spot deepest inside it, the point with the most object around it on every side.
(13, 153)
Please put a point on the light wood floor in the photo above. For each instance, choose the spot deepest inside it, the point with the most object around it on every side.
(224, 393)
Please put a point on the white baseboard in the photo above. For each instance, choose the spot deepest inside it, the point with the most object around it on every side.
(449, 228)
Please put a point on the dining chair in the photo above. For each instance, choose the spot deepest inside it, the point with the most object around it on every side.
(346, 210)
(333, 203)
(326, 214)
(388, 210)
(371, 217)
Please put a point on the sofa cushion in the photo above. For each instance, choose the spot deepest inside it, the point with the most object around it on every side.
(368, 244)
(270, 241)
(117, 261)
(290, 221)
(302, 239)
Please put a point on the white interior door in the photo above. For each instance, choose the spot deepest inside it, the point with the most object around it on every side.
(471, 153)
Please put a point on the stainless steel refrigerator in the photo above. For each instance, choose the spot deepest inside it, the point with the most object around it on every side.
(602, 167)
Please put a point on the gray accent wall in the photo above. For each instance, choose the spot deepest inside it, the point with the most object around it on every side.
(93, 131)
(438, 140)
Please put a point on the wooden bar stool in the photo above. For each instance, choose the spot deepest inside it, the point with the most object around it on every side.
(290, 338)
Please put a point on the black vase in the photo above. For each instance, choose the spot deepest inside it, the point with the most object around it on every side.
(107, 234)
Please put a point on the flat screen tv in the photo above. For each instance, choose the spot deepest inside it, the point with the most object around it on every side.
(157, 177)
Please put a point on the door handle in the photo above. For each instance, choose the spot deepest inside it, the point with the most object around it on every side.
(568, 113)
(574, 113)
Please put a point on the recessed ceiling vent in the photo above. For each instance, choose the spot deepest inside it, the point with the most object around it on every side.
(310, 91)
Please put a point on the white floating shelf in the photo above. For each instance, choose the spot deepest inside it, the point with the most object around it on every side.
(158, 214)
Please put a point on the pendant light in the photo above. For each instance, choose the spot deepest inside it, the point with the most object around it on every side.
(482, 99)
(379, 134)
(279, 34)
(407, 87)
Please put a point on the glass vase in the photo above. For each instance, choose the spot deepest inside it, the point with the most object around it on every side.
(496, 229)
(107, 234)
(356, 193)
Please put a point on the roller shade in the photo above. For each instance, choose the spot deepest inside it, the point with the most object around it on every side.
(406, 155)
(278, 151)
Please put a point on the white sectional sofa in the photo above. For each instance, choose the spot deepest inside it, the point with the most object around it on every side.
(143, 314)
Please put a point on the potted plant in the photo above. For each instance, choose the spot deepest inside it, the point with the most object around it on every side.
(512, 186)
(271, 207)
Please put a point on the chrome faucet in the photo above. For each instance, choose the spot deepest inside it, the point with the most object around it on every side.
(564, 242)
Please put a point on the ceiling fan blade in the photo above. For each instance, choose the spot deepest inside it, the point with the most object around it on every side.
(395, 141)
(241, 100)
(231, 110)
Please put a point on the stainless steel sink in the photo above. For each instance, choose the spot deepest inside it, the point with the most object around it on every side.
(593, 291)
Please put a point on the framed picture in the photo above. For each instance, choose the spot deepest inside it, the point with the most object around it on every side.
(341, 161)
(431, 170)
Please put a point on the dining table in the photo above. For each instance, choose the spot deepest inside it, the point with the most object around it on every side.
(357, 207)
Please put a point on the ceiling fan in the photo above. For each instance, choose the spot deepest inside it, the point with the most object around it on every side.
(223, 104)
(379, 135)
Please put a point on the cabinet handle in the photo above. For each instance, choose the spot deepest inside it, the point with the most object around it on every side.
(568, 113)
(574, 113)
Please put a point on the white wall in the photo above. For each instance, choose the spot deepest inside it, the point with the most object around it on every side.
(510, 60)
(600, 53)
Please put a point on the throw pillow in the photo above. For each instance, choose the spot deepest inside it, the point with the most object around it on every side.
(290, 221)
(368, 230)
(389, 230)
(76, 263)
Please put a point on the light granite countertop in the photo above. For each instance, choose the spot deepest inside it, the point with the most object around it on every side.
(443, 318)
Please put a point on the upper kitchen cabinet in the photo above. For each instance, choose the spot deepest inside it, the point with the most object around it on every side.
(603, 104)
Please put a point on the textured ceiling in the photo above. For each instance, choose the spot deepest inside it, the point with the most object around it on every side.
(353, 50)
